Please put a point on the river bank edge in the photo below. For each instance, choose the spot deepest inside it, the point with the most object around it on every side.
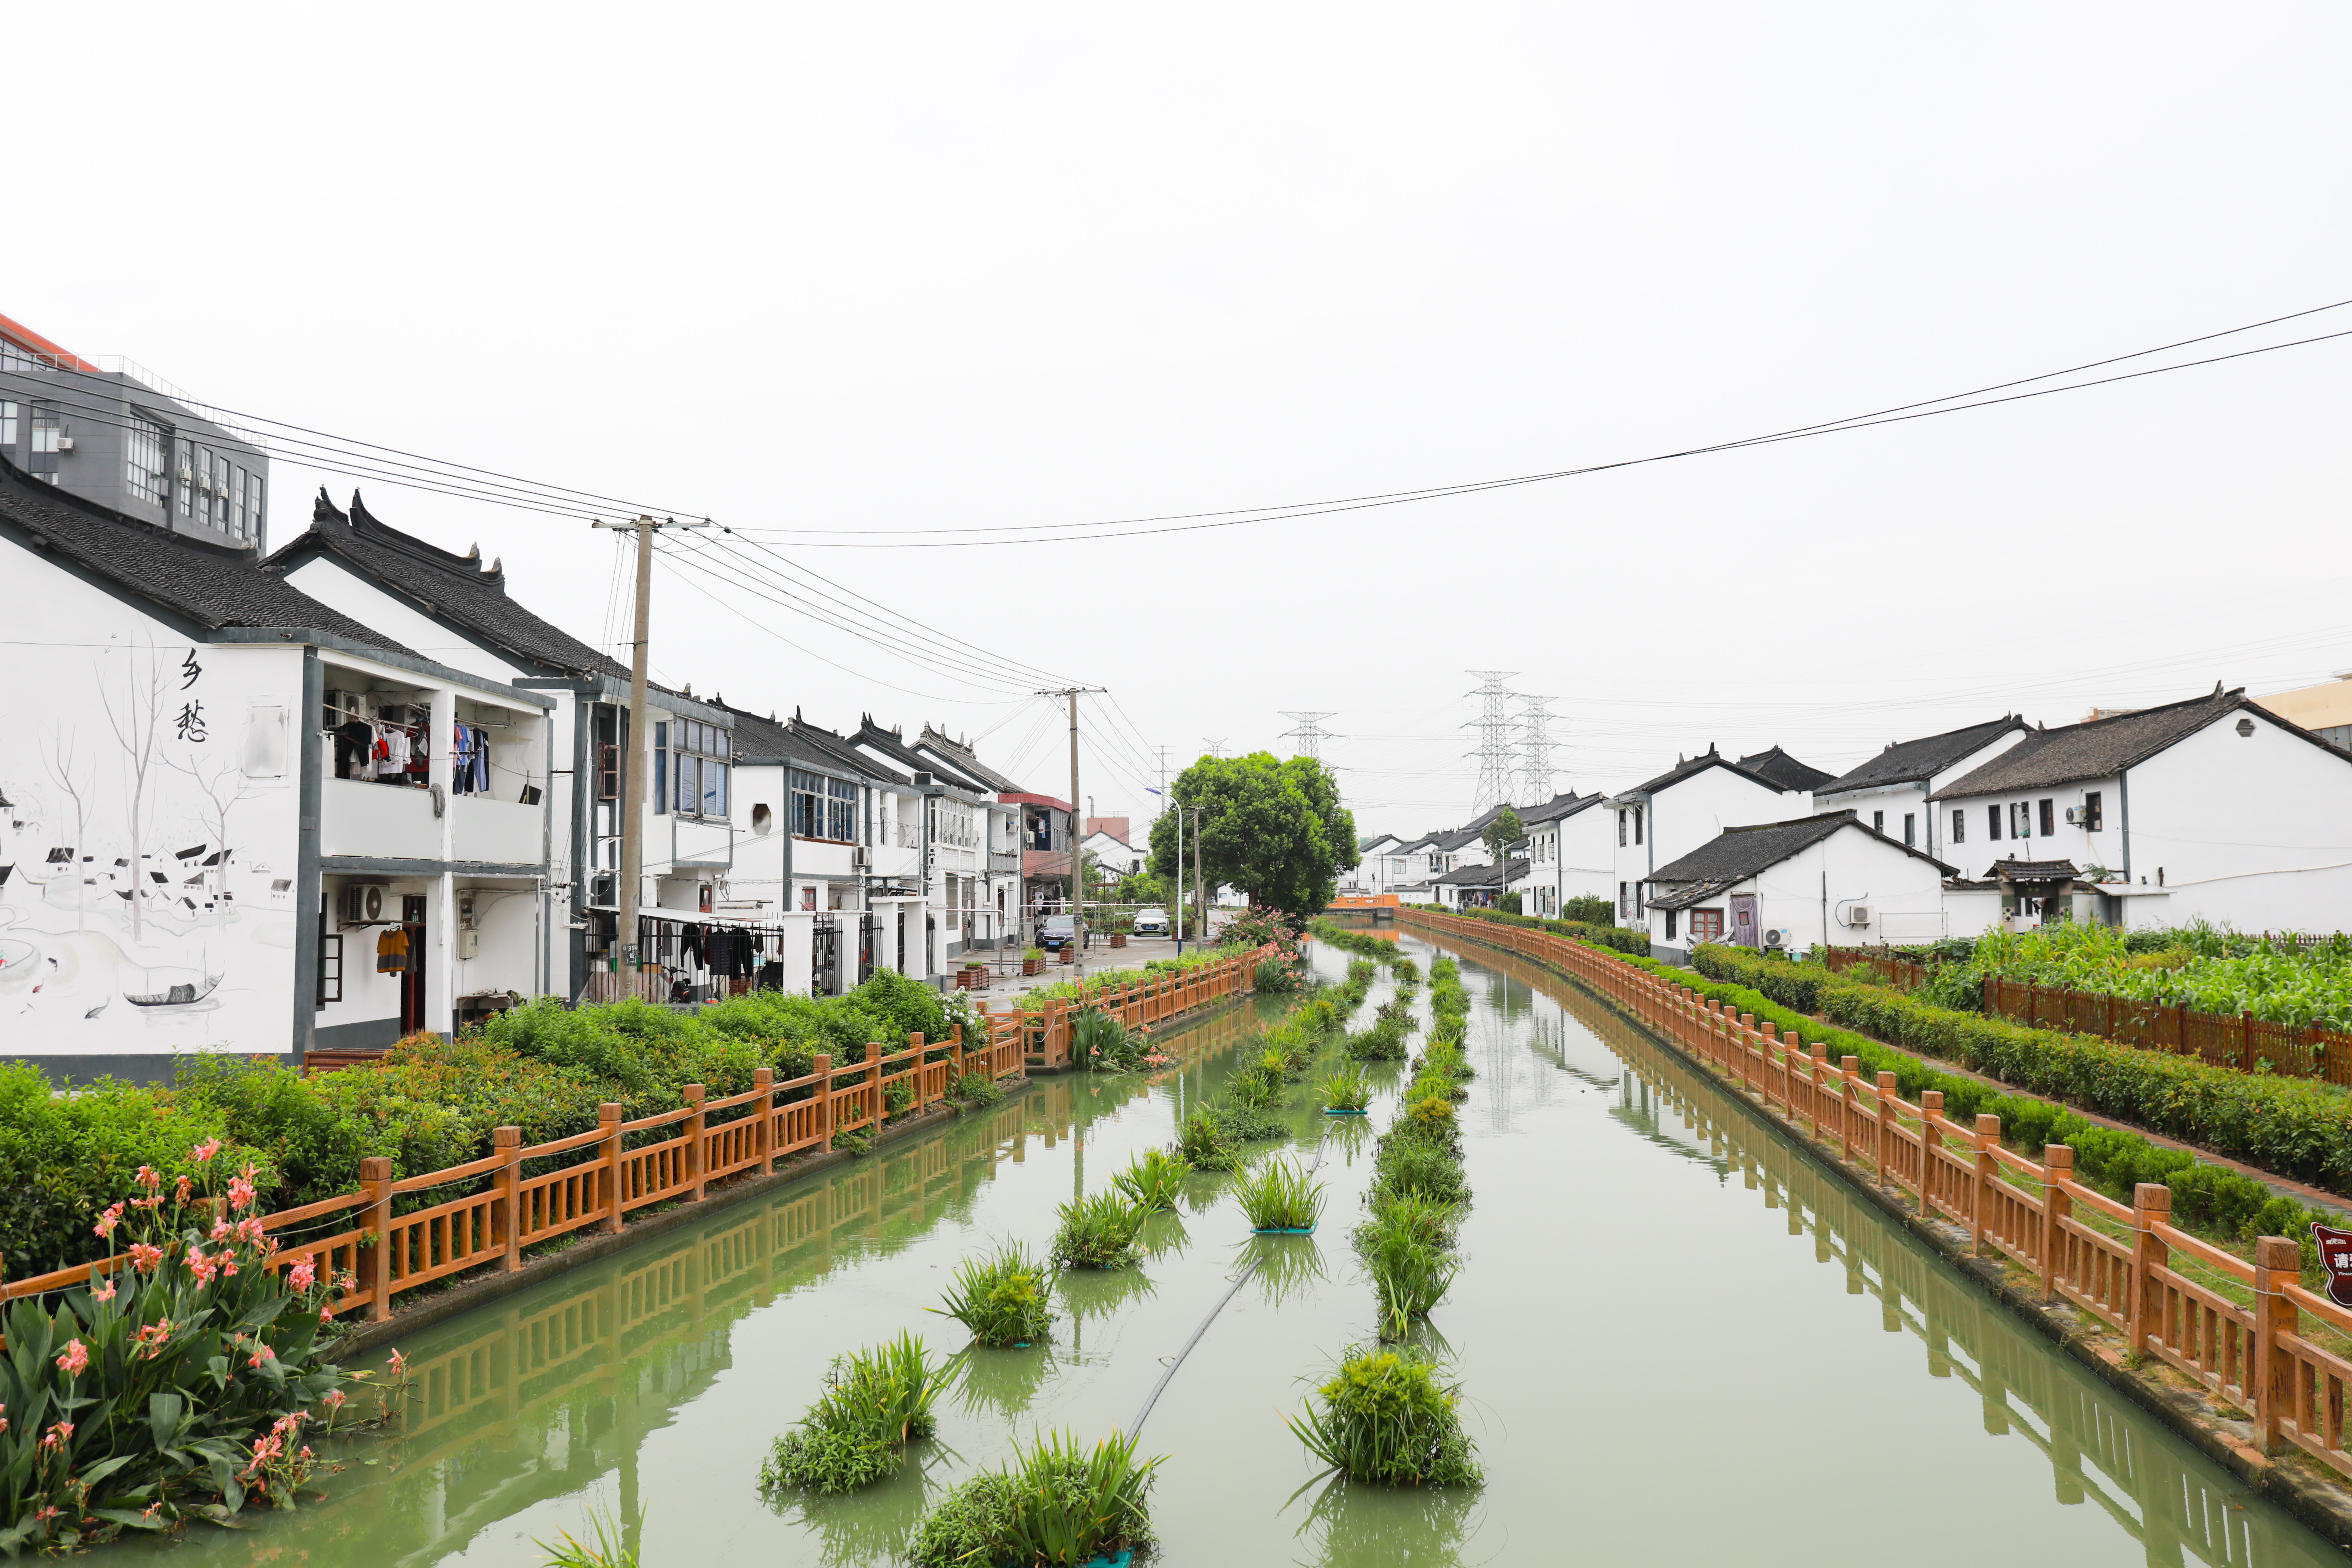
(2319, 1500)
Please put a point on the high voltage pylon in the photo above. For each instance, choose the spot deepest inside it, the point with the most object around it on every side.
(1494, 752)
(1309, 733)
(1217, 748)
(1536, 747)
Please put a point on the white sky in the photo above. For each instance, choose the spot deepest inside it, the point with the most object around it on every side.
(912, 265)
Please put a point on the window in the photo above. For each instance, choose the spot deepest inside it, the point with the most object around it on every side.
(1624, 904)
(763, 821)
(2021, 820)
(1878, 822)
(2093, 814)
(661, 768)
(2049, 819)
(807, 810)
(1959, 825)
(1670, 925)
(183, 470)
(8, 429)
(253, 505)
(1637, 824)
(1621, 830)
(1706, 925)
(841, 810)
(698, 766)
(1910, 835)
(41, 462)
(143, 442)
(1992, 822)
(239, 523)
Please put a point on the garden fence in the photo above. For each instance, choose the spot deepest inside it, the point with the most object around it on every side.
(2172, 1295)
(520, 1195)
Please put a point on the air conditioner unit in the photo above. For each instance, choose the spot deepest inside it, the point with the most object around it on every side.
(1776, 937)
(363, 903)
(859, 859)
(65, 443)
(2073, 815)
(1857, 915)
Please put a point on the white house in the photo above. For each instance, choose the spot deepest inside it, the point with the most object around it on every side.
(424, 596)
(1662, 819)
(1892, 791)
(1113, 857)
(235, 818)
(2212, 808)
(968, 839)
(1822, 878)
(1371, 872)
(1473, 886)
(1570, 852)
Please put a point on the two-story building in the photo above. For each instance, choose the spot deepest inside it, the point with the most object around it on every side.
(238, 817)
(1892, 792)
(1666, 817)
(1568, 853)
(2213, 808)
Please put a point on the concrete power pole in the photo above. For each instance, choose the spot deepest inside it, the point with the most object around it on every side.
(631, 749)
(1078, 847)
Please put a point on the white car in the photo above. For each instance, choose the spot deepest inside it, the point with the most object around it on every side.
(1150, 922)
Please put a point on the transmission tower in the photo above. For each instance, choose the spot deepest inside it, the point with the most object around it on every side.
(1309, 733)
(1536, 747)
(1494, 727)
(1217, 748)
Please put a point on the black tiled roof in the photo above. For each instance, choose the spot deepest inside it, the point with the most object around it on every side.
(872, 737)
(1558, 807)
(1477, 876)
(457, 588)
(1779, 768)
(1739, 853)
(211, 584)
(2105, 747)
(1909, 762)
(2033, 870)
(827, 749)
(1689, 766)
(962, 758)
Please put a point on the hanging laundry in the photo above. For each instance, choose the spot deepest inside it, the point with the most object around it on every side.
(354, 740)
(392, 955)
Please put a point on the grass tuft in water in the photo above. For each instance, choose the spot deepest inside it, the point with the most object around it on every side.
(1097, 1232)
(1153, 1181)
(1001, 1297)
(611, 1549)
(1056, 1502)
(1280, 1196)
(1344, 1088)
(874, 1403)
(1201, 1143)
(1386, 1419)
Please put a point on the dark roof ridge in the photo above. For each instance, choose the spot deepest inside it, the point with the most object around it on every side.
(368, 525)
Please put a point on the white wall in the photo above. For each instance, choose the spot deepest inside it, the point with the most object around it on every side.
(1830, 880)
(1686, 814)
(79, 935)
(2255, 830)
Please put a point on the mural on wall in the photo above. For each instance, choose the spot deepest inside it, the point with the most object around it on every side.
(146, 837)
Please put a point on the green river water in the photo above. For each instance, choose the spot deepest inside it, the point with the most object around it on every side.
(1682, 1342)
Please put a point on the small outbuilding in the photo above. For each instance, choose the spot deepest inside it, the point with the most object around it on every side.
(1789, 884)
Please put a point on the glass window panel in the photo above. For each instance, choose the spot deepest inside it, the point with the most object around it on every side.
(714, 789)
(689, 784)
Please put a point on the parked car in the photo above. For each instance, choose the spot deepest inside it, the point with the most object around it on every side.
(1056, 932)
(1150, 922)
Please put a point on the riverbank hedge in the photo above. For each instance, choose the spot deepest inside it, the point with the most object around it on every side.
(427, 1105)
(1630, 940)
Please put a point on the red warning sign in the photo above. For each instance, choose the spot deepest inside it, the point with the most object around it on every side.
(2335, 1257)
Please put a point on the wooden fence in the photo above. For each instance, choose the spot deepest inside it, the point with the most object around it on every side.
(2237, 1328)
(518, 1194)
(2237, 1040)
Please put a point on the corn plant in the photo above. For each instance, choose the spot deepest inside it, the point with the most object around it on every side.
(1001, 1297)
(1281, 1195)
(1385, 1419)
(1153, 1181)
(1097, 1232)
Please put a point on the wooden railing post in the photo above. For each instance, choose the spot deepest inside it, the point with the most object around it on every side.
(1931, 1138)
(2270, 1381)
(1988, 1139)
(2152, 1206)
(2057, 1205)
(763, 1084)
(695, 1126)
(1849, 1100)
(608, 1151)
(375, 1259)
(1888, 1139)
(822, 1068)
(507, 1142)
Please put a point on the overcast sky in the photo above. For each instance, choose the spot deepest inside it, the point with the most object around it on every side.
(919, 265)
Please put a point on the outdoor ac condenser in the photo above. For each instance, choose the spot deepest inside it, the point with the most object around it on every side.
(363, 903)
(1857, 915)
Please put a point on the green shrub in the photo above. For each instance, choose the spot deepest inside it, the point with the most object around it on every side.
(977, 1090)
(1001, 1297)
(1634, 940)
(1591, 911)
(1409, 1274)
(1153, 1180)
(874, 1403)
(1246, 1124)
(1096, 1232)
(1417, 1166)
(1280, 1196)
(1386, 1419)
(1055, 1503)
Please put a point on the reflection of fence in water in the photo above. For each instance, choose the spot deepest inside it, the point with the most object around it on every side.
(2101, 1448)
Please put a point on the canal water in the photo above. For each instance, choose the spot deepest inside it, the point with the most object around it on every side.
(1680, 1339)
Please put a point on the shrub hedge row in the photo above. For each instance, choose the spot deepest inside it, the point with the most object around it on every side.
(1621, 938)
(428, 1105)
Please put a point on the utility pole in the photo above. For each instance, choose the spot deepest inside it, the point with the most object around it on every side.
(1494, 752)
(631, 748)
(1077, 847)
(1200, 888)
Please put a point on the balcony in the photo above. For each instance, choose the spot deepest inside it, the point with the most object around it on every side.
(497, 830)
(1005, 860)
(389, 821)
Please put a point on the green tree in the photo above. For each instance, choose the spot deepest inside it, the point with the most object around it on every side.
(1500, 834)
(1275, 830)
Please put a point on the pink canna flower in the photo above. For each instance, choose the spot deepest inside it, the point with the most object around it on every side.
(303, 1275)
(326, 1314)
(240, 1192)
(334, 1401)
(202, 1266)
(203, 1153)
(181, 1194)
(104, 1292)
(228, 1261)
(144, 1258)
(108, 1221)
(263, 1354)
(148, 1178)
(76, 1358)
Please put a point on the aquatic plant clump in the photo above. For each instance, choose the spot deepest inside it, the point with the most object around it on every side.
(1153, 1180)
(976, 1090)
(1384, 1041)
(1281, 1195)
(1202, 1142)
(1345, 1089)
(874, 1403)
(1097, 1232)
(1056, 1502)
(1002, 1298)
(1386, 1419)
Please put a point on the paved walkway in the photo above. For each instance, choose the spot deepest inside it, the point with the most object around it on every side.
(1006, 982)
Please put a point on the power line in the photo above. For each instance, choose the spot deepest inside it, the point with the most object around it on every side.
(1536, 746)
